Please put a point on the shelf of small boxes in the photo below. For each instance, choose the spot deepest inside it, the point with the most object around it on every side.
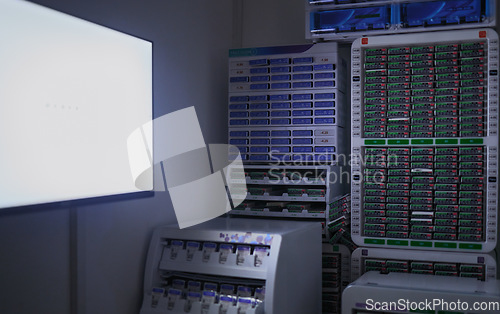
(351, 19)
(471, 265)
(285, 191)
(336, 276)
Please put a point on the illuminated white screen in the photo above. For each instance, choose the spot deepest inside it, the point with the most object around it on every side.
(71, 92)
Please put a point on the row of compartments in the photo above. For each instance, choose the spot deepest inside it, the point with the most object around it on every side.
(437, 60)
(469, 68)
(440, 81)
(284, 191)
(428, 268)
(453, 156)
(394, 15)
(281, 86)
(294, 175)
(420, 168)
(287, 149)
(445, 194)
(260, 75)
(423, 236)
(288, 207)
(404, 210)
(215, 253)
(282, 113)
(419, 49)
(206, 302)
(477, 200)
(424, 168)
(462, 150)
(426, 106)
(278, 98)
(426, 61)
(378, 90)
(296, 158)
(430, 52)
(440, 134)
(284, 122)
(331, 280)
(283, 105)
(375, 97)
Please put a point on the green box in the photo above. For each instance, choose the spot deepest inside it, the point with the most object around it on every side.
(374, 241)
(422, 142)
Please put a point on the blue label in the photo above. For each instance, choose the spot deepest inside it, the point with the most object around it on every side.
(259, 141)
(302, 149)
(259, 106)
(280, 149)
(280, 141)
(324, 149)
(324, 120)
(259, 149)
(329, 112)
(280, 85)
(259, 114)
(280, 105)
(259, 133)
(329, 75)
(238, 122)
(259, 86)
(259, 78)
(280, 77)
(302, 141)
(281, 113)
(303, 157)
(235, 141)
(302, 105)
(323, 104)
(238, 114)
(323, 157)
(302, 84)
(238, 98)
(324, 84)
(279, 97)
(238, 79)
(238, 133)
(280, 133)
(324, 96)
(259, 157)
(259, 122)
(302, 96)
(302, 121)
(280, 69)
(279, 61)
(302, 68)
(302, 113)
(303, 60)
(280, 121)
(258, 98)
(259, 70)
(238, 106)
(193, 244)
(258, 62)
(302, 133)
(439, 12)
(281, 157)
(324, 67)
(242, 149)
(302, 76)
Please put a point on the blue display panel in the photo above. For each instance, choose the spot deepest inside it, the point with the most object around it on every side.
(435, 13)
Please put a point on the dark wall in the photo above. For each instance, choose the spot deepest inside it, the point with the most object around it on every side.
(98, 251)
